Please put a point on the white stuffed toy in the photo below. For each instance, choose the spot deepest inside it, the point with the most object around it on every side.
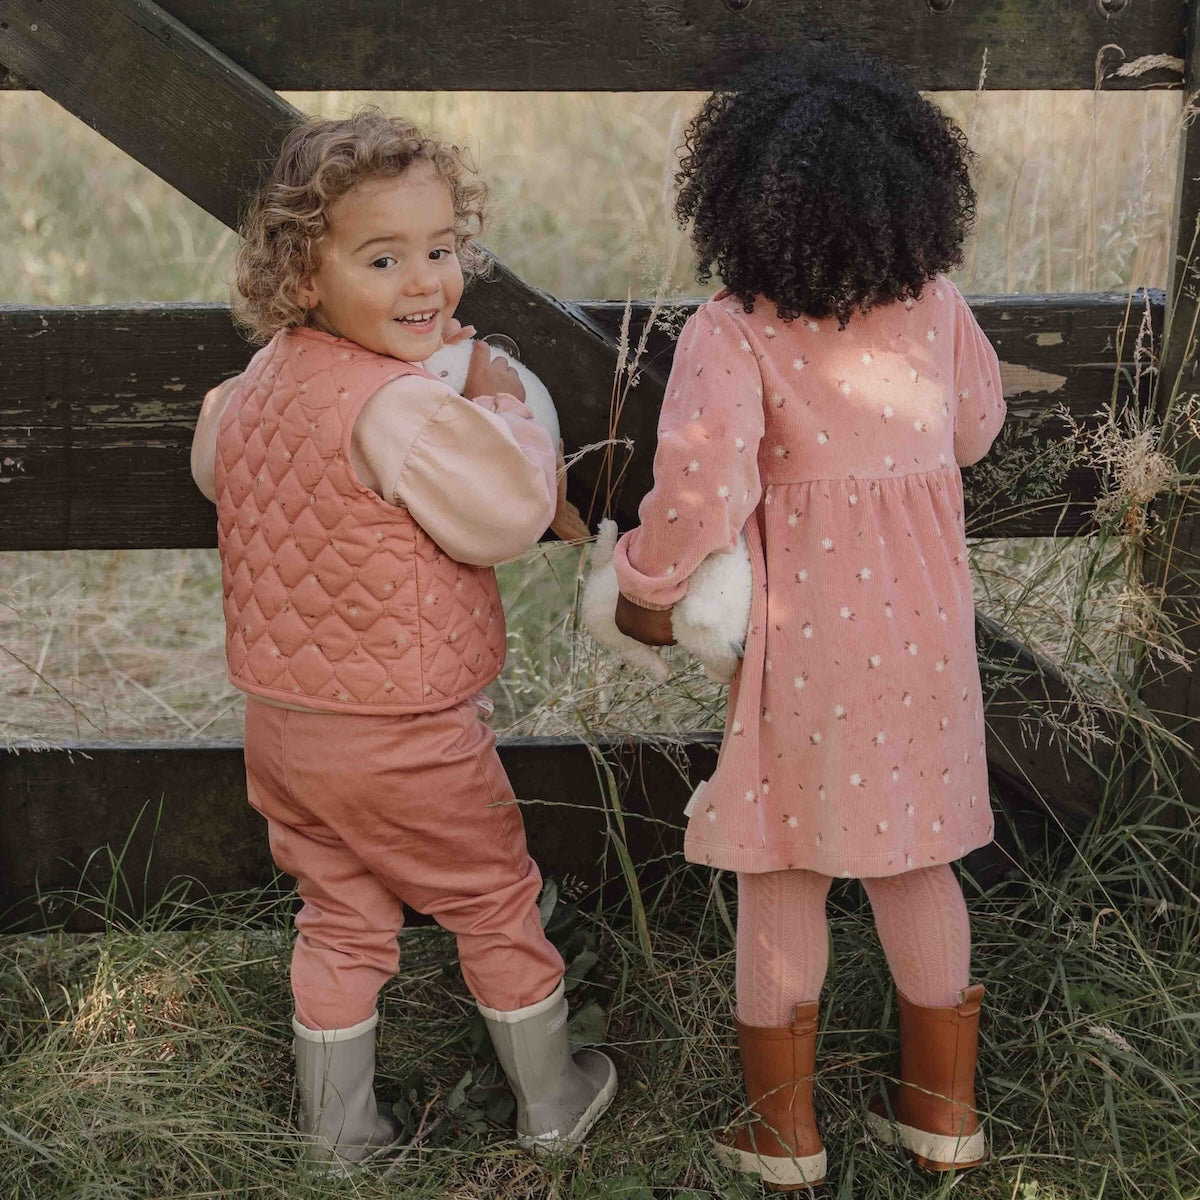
(450, 365)
(710, 622)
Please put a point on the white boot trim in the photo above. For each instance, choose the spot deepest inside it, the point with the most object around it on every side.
(327, 1037)
(937, 1147)
(530, 1010)
(774, 1168)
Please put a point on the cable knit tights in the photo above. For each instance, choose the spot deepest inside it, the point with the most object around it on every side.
(783, 942)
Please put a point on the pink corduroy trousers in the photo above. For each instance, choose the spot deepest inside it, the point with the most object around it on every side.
(370, 811)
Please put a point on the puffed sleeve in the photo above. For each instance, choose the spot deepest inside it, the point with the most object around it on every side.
(479, 476)
(706, 480)
(981, 408)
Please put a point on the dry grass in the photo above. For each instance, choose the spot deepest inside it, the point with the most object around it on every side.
(1074, 194)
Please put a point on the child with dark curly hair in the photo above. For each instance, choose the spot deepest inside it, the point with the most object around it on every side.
(824, 400)
(361, 505)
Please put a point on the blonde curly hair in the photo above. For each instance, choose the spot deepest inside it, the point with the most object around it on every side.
(320, 161)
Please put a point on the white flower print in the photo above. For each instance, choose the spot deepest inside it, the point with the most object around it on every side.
(812, 326)
(800, 681)
(856, 780)
(751, 796)
(822, 438)
(845, 613)
(937, 293)
(942, 614)
(723, 492)
(815, 739)
(798, 364)
(867, 357)
(882, 827)
(946, 775)
(887, 610)
(777, 400)
(827, 544)
(844, 387)
(711, 813)
(672, 568)
(699, 368)
(931, 336)
(864, 575)
(910, 810)
(908, 860)
(781, 451)
(941, 665)
(906, 699)
(911, 647)
(739, 444)
(839, 712)
(802, 575)
(873, 662)
(735, 728)
(769, 331)
(889, 462)
(806, 629)
(745, 345)
(793, 518)
(936, 826)
(672, 516)
(692, 467)
(888, 412)
(852, 499)
(913, 374)
(697, 413)
(790, 821)
(919, 425)
(879, 738)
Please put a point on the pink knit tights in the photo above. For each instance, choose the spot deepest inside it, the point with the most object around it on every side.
(783, 942)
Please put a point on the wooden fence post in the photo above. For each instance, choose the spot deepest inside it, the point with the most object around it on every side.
(1170, 565)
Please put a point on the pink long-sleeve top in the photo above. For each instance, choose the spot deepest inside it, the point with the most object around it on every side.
(479, 476)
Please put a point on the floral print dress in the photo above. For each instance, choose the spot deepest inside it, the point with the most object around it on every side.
(854, 742)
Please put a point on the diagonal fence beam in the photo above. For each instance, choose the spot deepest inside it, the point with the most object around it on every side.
(167, 98)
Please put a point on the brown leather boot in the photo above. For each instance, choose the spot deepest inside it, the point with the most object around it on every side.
(781, 1144)
(930, 1112)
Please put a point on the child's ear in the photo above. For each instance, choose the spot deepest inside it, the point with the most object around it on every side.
(306, 293)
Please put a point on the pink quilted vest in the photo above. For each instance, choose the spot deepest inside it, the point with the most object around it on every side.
(335, 599)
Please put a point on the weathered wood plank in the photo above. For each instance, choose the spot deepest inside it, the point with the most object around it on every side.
(1171, 565)
(175, 818)
(98, 406)
(165, 96)
(532, 45)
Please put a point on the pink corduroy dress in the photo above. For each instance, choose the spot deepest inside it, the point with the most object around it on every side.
(854, 742)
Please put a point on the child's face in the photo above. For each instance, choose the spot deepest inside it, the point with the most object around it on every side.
(389, 278)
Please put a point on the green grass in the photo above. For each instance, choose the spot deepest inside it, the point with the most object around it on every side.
(154, 1061)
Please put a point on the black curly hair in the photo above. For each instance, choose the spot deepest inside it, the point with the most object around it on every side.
(821, 179)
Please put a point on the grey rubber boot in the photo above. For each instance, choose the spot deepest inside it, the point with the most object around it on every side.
(335, 1078)
(560, 1095)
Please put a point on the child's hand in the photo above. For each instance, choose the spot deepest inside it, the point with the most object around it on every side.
(647, 625)
(456, 332)
(486, 376)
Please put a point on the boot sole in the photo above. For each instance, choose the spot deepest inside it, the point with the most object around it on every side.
(559, 1143)
(933, 1151)
(782, 1172)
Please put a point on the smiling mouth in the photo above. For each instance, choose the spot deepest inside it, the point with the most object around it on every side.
(417, 320)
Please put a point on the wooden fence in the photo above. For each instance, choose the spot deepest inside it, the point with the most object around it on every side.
(97, 404)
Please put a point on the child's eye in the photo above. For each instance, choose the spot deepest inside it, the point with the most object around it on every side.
(439, 254)
(383, 262)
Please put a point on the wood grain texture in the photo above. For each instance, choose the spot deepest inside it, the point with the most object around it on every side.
(99, 403)
(632, 45)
